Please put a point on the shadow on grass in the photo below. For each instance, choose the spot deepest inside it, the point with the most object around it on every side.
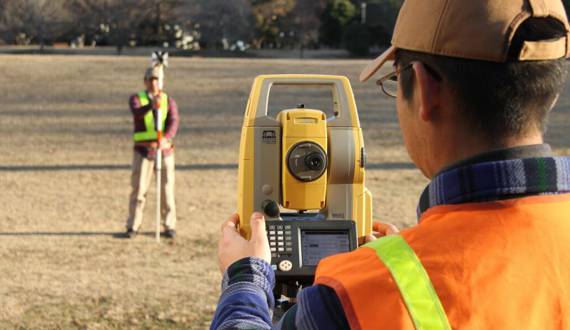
(64, 233)
(105, 167)
(182, 167)
(118, 235)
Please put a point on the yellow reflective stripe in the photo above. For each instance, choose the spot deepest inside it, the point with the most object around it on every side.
(143, 98)
(416, 288)
(150, 132)
(145, 136)
(164, 110)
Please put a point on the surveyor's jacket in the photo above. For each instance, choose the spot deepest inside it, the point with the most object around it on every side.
(144, 134)
(496, 265)
(493, 238)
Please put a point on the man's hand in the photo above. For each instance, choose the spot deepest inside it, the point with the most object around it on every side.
(156, 100)
(380, 229)
(165, 144)
(232, 247)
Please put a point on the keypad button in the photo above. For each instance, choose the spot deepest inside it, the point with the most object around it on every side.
(287, 238)
(272, 238)
(272, 232)
(288, 232)
(279, 227)
(281, 249)
(280, 232)
(272, 227)
(280, 238)
(288, 243)
(288, 227)
(285, 265)
(271, 243)
(274, 255)
(273, 249)
(289, 249)
(280, 243)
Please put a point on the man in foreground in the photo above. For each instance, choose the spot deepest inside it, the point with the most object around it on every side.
(474, 82)
(143, 106)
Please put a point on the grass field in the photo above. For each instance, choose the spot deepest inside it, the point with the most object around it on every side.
(65, 154)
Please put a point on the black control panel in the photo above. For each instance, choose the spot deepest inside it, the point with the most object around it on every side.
(297, 246)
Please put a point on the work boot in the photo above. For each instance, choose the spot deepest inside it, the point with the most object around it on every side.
(131, 233)
(170, 233)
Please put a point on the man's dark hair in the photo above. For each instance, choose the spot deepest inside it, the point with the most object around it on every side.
(499, 100)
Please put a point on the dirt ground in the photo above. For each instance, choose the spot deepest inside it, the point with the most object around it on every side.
(65, 153)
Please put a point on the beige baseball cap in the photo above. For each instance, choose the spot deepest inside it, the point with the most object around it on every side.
(472, 29)
(153, 72)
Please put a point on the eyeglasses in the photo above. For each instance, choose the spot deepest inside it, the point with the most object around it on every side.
(389, 83)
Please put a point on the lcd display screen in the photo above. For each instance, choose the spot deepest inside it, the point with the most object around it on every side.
(317, 244)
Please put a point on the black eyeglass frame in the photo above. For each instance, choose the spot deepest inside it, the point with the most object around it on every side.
(393, 76)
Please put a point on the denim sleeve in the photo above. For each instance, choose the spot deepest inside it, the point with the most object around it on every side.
(247, 296)
(247, 302)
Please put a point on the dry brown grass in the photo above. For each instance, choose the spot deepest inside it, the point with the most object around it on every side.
(65, 152)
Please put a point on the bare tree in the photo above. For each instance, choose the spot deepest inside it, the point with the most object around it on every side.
(271, 19)
(381, 17)
(306, 21)
(119, 19)
(221, 19)
(37, 20)
(166, 24)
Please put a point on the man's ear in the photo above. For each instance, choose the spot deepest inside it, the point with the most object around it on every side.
(429, 92)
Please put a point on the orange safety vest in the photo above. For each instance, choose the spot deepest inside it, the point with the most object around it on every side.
(493, 265)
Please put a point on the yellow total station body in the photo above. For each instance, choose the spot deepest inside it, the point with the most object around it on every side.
(301, 160)
(304, 132)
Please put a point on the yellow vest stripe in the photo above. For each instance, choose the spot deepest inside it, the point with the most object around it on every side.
(417, 291)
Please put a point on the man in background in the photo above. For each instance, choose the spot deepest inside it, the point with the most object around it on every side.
(144, 106)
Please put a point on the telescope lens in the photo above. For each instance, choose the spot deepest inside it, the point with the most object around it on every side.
(307, 161)
(314, 161)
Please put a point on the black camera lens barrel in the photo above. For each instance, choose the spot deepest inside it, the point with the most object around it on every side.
(315, 161)
(307, 161)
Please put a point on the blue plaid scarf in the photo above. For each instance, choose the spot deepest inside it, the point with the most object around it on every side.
(496, 180)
